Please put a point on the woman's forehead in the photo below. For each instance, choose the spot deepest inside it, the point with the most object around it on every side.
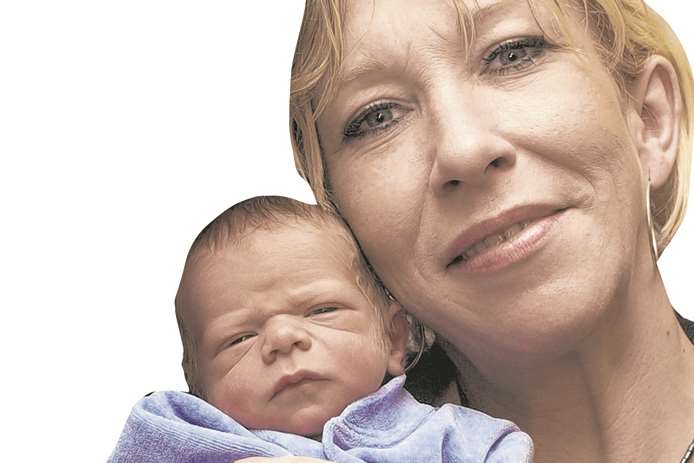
(439, 15)
(377, 31)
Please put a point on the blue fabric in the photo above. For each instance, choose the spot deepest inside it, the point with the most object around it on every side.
(387, 426)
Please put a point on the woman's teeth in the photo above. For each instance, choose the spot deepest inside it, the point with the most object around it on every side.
(491, 241)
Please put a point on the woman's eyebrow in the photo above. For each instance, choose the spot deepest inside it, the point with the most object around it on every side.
(368, 66)
(487, 12)
(479, 16)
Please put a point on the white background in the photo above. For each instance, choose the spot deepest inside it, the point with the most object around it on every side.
(126, 126)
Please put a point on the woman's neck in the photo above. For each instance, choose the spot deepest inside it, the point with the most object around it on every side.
(625, 394)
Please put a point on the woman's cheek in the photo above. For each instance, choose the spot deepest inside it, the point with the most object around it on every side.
(380, 193)
(570, 116)
(579, 136)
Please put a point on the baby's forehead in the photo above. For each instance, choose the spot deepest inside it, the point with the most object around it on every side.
(272, 273)
(283, 258)
(328, 240)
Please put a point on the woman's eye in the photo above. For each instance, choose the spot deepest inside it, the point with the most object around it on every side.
(374, 118)
(514, 55)
(322, 310)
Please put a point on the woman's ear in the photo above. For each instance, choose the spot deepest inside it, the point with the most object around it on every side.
(658, 111)
(397, 330)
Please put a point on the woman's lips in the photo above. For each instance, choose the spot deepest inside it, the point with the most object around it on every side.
(508, 238)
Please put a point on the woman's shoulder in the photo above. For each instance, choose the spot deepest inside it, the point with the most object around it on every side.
(687, 326)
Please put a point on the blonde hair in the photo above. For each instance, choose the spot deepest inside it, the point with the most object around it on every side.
(269, 213)
(626, 34)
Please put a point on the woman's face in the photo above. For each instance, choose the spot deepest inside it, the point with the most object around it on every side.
(497, 192)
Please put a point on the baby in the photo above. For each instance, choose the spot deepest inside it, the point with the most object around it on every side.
(288, 339)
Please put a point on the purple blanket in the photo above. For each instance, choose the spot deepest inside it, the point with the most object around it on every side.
(387, 426)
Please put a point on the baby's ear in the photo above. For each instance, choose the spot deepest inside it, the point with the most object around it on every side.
(397, 330)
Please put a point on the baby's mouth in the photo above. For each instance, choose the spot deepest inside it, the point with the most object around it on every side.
(294, 379)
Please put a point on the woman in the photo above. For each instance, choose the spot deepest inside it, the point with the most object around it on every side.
(512, 170)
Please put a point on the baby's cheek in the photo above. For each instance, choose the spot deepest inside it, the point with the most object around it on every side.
(247, 412)
(236, 400)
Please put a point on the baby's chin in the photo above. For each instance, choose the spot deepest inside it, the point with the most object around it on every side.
(313, 430)
(291, 416)
(306, 422)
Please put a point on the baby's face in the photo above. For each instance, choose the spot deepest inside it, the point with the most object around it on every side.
(285, 337)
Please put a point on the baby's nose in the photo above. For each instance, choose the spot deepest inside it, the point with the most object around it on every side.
(282, 335)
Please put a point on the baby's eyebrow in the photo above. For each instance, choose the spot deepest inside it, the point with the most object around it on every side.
(317, 291)
(221, 326)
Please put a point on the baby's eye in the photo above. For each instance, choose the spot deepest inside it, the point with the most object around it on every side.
(240, 339)
(514, 55)
(322, 310)
(374, 118)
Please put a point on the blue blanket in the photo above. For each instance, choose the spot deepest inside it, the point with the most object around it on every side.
(387, 426)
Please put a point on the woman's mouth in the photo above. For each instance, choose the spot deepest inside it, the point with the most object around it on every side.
(504, 240)
(491, 242)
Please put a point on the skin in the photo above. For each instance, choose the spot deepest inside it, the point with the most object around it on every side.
(576, 341)
(280, 302)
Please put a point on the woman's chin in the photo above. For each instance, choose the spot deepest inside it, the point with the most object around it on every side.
(549, 316)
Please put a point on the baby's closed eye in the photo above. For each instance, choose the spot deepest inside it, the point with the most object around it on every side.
(322, 310)
(239, 339)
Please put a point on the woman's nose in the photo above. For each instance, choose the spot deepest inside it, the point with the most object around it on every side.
(281, 336)
(467, 150)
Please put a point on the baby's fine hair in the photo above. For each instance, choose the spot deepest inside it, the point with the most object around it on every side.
(267, 213)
